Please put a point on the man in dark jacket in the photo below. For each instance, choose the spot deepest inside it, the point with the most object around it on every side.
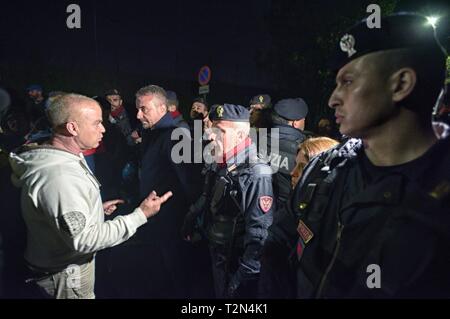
(118, 115)
(172, 259)
(370, 218)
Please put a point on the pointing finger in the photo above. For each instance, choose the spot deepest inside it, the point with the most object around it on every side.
(166, 196)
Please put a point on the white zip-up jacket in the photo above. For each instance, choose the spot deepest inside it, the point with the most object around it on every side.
(63, 209)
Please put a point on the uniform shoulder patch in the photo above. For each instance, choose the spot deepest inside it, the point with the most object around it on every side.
(72, 223)
(265, 202)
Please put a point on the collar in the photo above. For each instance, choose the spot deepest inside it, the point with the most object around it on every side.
(289, 132)
(89, 152)
(165, 122)
(237, 155)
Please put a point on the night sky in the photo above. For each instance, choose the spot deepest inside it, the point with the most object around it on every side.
(172, 38)
(123, 40)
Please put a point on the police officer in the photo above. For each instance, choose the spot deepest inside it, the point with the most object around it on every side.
(371, 217)
(260, 109)
(289, 120)
(240, 204)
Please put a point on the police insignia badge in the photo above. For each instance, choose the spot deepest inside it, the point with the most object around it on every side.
(265, 202)
(219, 111)
(305, 233)
(261, 99)
(348, 44)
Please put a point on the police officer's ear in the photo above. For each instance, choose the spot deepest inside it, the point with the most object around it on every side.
(299, 124)
(242, 131)
(402, 83)
(240, 135)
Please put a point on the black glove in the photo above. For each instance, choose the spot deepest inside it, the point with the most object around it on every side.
(190, 220)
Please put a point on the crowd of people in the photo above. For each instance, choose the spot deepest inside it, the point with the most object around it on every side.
(287, 214)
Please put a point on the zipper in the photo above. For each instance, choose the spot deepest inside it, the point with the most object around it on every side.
(333, 260)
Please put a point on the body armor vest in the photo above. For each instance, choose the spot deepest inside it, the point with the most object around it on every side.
(226, 219)
(283, 162)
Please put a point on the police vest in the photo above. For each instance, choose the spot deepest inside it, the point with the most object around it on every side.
(225, 221)
(283, 162)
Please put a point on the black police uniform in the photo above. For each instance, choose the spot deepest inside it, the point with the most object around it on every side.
(362, 215)
(282, 160)
(240, 209)
(356, 230)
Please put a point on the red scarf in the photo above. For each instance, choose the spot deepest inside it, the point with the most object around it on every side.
(235, 150)
(117, 112)
(89, 152)
(175, 114)
(100, 149)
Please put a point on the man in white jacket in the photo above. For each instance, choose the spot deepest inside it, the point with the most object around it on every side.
(62, 206)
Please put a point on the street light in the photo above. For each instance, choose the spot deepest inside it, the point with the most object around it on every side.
(432, 21)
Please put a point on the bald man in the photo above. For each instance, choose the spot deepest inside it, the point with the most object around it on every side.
(62, 206)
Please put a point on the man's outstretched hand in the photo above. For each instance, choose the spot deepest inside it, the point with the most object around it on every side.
(152, 204)
(110, 206)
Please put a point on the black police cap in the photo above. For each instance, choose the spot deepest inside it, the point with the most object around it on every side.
(263, 99)
(229, 112)
(397, 31)
(291, 109)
